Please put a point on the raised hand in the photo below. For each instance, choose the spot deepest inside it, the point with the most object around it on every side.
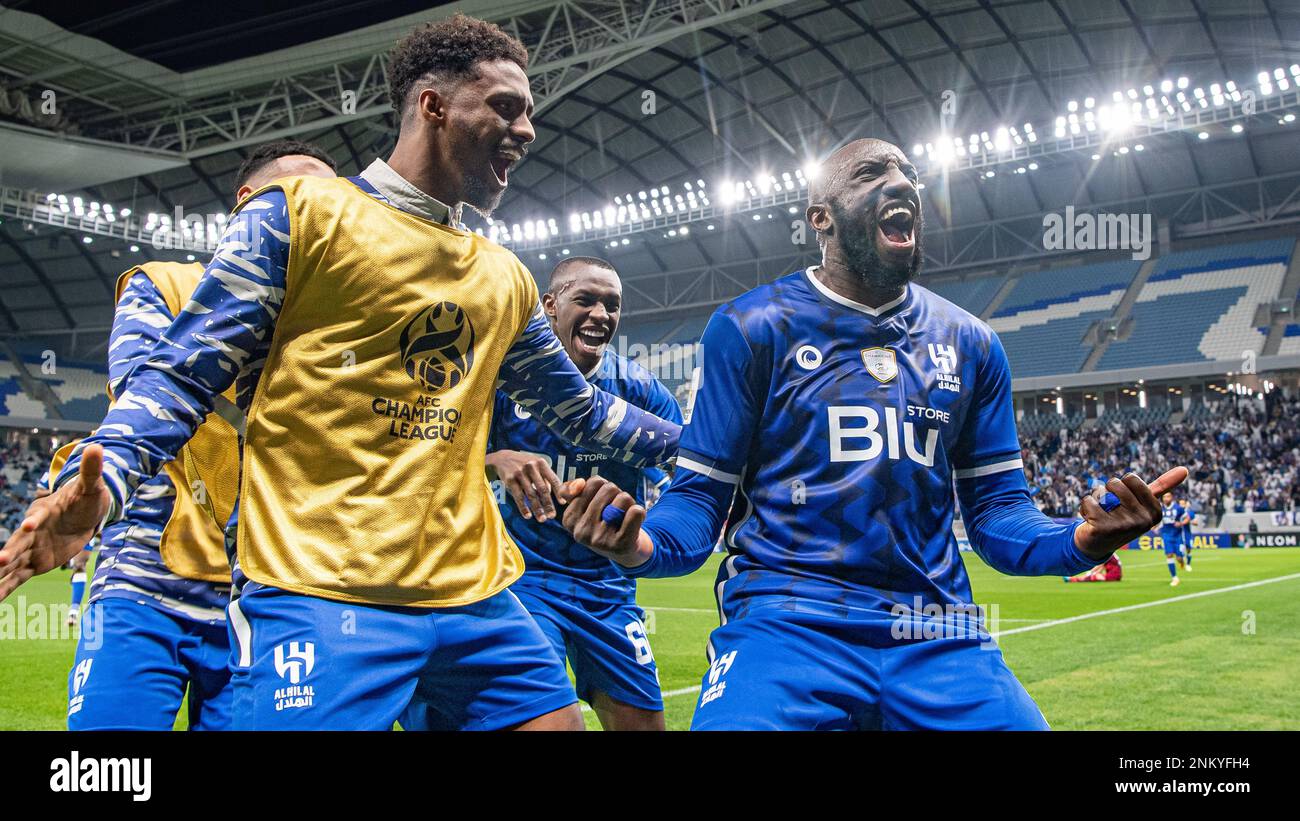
(57, 526)
(1107, 528)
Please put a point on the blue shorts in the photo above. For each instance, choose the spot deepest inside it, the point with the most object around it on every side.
(135, 663)
(306, 663)
(779, 670)
(605, 643)
(1173, 544)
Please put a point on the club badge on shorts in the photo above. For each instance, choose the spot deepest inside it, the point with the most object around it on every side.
(880, 363)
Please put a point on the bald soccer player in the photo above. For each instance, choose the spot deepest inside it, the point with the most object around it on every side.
(837, 406)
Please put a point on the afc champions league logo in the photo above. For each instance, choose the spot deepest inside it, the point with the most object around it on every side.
(438, 346)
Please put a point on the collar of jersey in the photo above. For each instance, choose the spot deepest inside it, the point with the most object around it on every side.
(876, 313)
(398, 192)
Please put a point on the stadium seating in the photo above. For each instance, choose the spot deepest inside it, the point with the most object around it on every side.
(1033, 424)
(1043, 320)
(1200, 305)
(973, 294)
(78, 386)
(1290, 340)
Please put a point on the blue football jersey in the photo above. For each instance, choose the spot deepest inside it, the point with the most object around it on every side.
(1170, 530)
(843, 428)
(552, 559)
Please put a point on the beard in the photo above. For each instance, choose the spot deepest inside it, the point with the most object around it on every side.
(864, 258)
(481, 195)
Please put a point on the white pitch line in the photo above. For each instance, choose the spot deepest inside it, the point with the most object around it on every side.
(685, 690)
(1130, 607)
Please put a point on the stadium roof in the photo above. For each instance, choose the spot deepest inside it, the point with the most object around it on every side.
(638, 95)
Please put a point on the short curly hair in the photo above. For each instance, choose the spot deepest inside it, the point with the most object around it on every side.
(449, 49)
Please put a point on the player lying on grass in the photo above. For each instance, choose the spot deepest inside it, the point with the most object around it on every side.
(368, 332)
(583, 604)
(836, 407)
(1112, 570)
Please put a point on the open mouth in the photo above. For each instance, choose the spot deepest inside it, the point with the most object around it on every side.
(502, 162)
(590, 341)
(897, 225)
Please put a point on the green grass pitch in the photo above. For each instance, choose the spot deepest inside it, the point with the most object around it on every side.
(1195, 657)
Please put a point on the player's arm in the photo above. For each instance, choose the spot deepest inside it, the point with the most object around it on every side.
(139, 320)
(679, 533)
(1004, 526)
(226, 326)
(539, 376)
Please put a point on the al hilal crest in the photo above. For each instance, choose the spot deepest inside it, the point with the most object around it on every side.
(881, 363)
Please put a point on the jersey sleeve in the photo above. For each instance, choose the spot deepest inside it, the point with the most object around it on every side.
(988, 443)
(685, 523)
(139, 320)
(538, 375)
(225, 328)
(728, 403)
(1005, 527)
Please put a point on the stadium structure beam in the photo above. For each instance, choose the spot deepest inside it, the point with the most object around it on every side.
(248, 101)
(987, 244)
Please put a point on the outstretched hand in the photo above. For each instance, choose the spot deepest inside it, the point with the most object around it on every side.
(57, 526)
(1105, 531)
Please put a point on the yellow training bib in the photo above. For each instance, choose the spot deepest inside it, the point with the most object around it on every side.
(365, 441)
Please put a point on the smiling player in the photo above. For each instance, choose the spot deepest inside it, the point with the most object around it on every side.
(584, 605)
(845, 604)
(367, 332)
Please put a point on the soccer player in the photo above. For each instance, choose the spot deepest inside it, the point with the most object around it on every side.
(1111, 571)
(1171, 535)
(1189, 517)
(161, 586)
(585, 607)
(366, 332)
(837, 405)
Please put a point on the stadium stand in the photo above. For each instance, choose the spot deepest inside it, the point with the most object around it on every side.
(1241, 458)
(1043, 320)
(974, 294)
(1200, 305)
(79, 388)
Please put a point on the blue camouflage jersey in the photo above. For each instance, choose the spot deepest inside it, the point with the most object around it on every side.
(130, 562)
(224, 334)
(839, 429)
(553, 562)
